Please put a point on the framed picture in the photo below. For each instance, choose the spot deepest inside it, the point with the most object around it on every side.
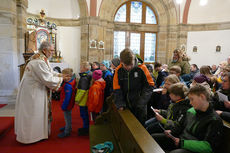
(218, 48)
(101, 45)
(194, 49)
(93, 44)
(42, 35)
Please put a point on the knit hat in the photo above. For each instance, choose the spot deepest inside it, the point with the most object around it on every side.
(97, 74)
(200, 78)
(106, 63)
(115, 61)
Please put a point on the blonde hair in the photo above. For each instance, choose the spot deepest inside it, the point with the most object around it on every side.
(172, 78)
(68, 71)
(178, 89)
(86, 65)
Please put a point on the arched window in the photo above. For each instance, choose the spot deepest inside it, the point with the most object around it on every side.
(132, 21)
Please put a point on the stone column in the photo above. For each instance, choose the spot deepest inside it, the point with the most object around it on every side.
(9, 72)
(95, 29)
(21, 28)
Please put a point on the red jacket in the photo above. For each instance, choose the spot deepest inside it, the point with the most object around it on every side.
(67, 96)
(96, 96)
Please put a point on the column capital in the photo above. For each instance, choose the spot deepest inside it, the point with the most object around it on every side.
(22, 3)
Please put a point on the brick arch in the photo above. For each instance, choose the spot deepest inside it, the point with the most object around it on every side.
(165, 10)
(83, 8)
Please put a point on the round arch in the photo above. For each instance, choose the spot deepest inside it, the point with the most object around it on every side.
(167, 27)
(83, 8)
(164, 9)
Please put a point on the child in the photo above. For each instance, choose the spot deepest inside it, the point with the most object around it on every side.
(161, 74)
(108, 77)
(175, 113)
(82, 96)
(201, 131)
(95, 66)
(67, 101)
(203, 80)
(96, 93)
(114, 64)
(223, 105)
(161, 100)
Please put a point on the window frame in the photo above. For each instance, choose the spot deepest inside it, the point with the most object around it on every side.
(128, 12)
(125, 26)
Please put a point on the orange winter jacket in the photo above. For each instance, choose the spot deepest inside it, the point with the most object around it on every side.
(96, 96)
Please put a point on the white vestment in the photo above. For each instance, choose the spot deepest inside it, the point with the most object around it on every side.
(31, 110)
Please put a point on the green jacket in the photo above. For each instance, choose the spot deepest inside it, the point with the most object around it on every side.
(175, 114)
(83, 88)
(202, 131)
(184, 65)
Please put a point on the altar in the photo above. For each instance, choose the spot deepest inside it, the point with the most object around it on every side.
(38, 31)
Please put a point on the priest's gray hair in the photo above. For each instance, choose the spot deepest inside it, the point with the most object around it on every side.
(44, 45)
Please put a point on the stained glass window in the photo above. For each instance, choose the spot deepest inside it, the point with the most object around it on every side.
(119, 42)
(136, 12)
(150, 47)
(135, 39)
(140, 42)
(121, 14)
(150, 16)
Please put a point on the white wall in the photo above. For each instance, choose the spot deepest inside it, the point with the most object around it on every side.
(214, 11)
(206, 42)
(68, 38)
(55, 8)
(69, 43)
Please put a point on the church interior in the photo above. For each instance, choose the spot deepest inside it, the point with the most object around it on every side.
(78, 23)
(97, 30)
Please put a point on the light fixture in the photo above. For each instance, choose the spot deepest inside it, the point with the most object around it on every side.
(203, 2)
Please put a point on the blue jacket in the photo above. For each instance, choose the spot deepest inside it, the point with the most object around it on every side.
(68, 94)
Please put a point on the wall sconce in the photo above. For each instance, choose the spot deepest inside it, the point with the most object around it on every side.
(101, 45)
(92, 43)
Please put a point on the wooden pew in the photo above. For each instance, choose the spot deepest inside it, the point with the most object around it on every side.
(225, 146)
(124, 130)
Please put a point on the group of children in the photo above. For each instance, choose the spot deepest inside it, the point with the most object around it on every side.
(187, 120)
(180, 116)
(93, 87)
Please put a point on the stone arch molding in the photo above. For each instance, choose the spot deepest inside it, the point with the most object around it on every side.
(165, 10)
(83, 8)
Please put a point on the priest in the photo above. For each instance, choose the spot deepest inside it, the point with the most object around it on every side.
(33, 107)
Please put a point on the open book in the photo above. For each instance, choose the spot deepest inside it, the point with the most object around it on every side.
(157, 90)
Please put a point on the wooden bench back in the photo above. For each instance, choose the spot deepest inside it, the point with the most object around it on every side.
(130, 134)
(225, 146)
